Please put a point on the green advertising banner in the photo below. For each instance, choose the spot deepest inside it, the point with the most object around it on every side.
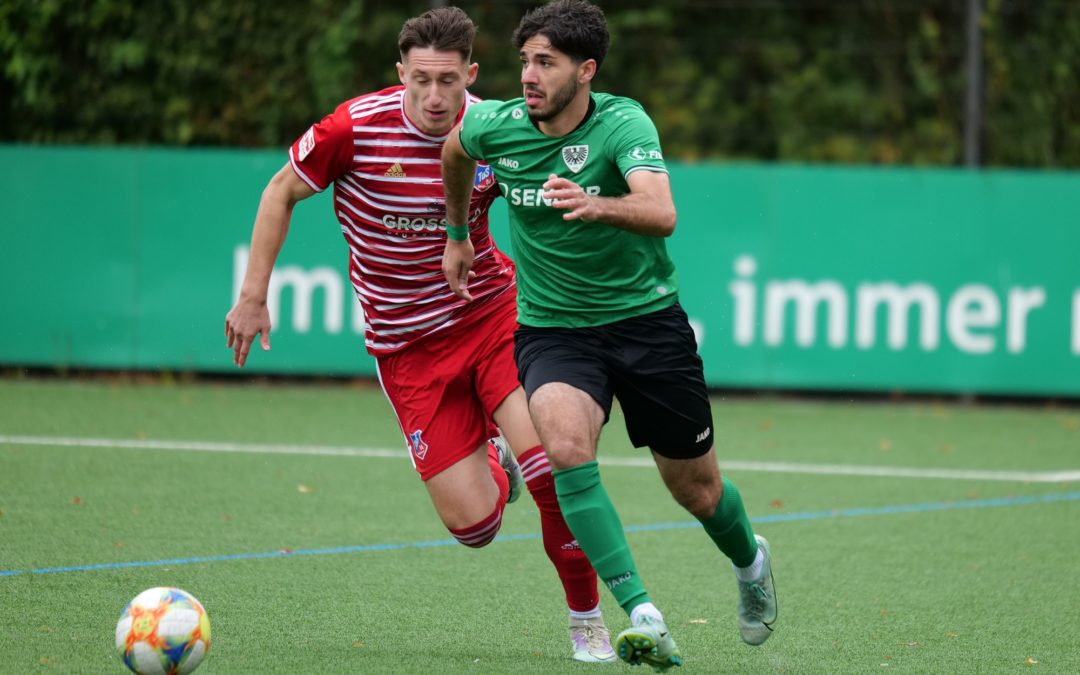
(794, 277)
(883, 279)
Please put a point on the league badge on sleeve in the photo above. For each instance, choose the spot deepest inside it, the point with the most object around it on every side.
(307, 144)
(485, 177)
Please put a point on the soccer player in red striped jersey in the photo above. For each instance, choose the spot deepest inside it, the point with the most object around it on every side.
(446, 365)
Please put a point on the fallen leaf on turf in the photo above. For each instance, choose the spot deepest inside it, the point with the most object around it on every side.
(1071, 423)
(884, 611)
(913, 643)
(303, 488)
(885, 444)
(76, 500)
(950, 634)
(946, 449)
(1030, 661)
(699, 621)
(358, 644)
(777, 503)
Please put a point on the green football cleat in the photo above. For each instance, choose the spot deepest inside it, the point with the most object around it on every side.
(510, 465)
(648, 641)
(757, 602)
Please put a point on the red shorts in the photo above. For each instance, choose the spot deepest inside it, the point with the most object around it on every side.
(445, 387)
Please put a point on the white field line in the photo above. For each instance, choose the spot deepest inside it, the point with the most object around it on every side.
(730, 465)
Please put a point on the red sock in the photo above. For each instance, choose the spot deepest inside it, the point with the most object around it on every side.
(577, 575)
(481, 533)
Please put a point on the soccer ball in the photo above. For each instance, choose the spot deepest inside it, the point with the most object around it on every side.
(163, 631)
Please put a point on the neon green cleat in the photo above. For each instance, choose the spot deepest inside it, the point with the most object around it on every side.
(591, 640)
(757, 602)
(648, 641)
(510, 465)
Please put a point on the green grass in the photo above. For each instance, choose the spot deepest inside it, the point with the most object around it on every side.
(988, 589)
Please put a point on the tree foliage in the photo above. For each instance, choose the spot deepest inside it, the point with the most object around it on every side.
(865, 81)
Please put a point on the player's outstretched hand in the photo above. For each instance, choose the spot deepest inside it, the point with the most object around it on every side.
(457, 266)
(566, 194)
(243, 322)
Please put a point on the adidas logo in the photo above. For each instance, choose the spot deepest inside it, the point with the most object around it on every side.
(395, 171)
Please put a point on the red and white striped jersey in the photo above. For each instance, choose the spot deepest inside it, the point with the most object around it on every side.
(388, 197)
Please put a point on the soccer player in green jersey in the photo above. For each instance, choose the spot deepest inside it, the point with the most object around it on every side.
(598, 312)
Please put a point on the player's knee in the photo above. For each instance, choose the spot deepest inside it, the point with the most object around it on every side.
(700, 500)
(568, 452)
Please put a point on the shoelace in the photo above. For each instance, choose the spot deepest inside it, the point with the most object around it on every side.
(754, 597)
(595, 637)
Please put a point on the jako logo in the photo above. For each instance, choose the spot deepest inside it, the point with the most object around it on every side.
(508, 163)
(618, 581)
(703, 435)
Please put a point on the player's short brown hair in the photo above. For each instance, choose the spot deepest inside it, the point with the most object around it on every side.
(445, 29)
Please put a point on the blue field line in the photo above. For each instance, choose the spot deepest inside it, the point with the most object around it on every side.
(682, 525)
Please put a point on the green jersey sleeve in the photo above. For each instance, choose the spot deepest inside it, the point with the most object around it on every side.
(476, 122)
(633, 143)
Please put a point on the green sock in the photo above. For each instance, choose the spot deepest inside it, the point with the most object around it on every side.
(594, 523)
(730, 528)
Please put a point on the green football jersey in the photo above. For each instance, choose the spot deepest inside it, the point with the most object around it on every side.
(572, 273)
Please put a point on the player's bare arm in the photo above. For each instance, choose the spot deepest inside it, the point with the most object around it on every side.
(249, 317)
(647, 209)
(457, 174)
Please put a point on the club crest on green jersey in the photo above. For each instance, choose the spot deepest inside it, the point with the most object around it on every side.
(575, 156)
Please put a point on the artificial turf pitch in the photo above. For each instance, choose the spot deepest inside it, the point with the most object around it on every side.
(960, 556)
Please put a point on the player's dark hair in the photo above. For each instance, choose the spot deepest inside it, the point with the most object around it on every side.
(574, 27)
(444, 29)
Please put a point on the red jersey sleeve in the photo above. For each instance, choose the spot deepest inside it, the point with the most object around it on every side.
(325, 151)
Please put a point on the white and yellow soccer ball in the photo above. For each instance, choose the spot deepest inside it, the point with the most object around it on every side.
(163, 631)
